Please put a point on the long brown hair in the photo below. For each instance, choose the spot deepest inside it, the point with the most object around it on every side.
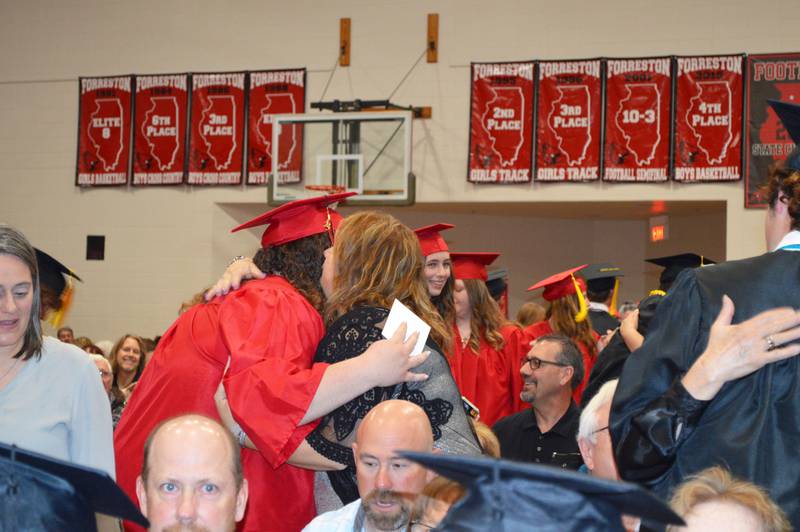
(378, 260)
(444, 301)
(561, 314)
(117, 347)
(14, 243)
(486, 317)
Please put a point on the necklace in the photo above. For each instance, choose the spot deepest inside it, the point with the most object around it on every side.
(16, 360)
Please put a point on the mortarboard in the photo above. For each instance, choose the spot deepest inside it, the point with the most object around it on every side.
(57, 278)
(298, 219)
(38, 492)
(789, 114)
(504, 495)
(675, 264)
(430, 240)
(601, 277)
(472, 265)
(563, 284)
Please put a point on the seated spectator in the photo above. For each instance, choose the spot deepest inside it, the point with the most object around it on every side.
(387, 483)
(434, 502)
(82, 342)
(66, 335)
(714, 500)
(192, 477)
(530, 313)
(106, 375)
(486, 438)
(545, 433)
(127, 363)
(94, 350)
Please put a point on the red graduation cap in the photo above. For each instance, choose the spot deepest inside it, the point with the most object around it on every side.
(298, 219)
(564, 284)
(430, 240)
(472, 265)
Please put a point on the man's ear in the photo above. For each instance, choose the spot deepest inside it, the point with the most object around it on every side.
(355, 453)
(587, 452)
(141, 494)
(566, 377)
(241, 501)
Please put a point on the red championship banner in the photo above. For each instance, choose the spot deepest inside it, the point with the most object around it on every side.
(568, 121)
(709, 98)
(104, 131)
(216, 137)
(769, 77)
(638, 119)
(159, 129)
(501, 123)
(275, 92)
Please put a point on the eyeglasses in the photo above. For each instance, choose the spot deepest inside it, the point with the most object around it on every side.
(600, 429)
(536, 363)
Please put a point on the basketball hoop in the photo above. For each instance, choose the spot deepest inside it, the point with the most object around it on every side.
(327, 189)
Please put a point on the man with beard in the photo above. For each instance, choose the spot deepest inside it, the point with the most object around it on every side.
(545, 434)
(388, 484)
(192, 477)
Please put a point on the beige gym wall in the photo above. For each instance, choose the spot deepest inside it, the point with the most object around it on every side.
(164, 244)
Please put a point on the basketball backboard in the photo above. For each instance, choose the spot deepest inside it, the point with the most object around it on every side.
(364, 152)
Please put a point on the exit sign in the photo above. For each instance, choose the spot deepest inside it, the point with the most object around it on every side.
(659, 228)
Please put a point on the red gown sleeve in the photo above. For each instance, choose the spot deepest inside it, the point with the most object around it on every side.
(271, 332)
(515, 348)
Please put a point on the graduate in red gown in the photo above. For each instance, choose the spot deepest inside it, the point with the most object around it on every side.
(268, 332)
(438, 267)
(567, 315)
(488, 348)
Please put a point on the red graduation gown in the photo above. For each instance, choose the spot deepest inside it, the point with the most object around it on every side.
(270, 332)
(490, 379)
(543, 328)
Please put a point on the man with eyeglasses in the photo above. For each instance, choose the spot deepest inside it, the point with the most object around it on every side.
(545, 433)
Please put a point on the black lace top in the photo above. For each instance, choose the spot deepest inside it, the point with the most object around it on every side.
(351, 335)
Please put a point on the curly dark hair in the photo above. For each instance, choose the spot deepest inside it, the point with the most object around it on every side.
(300, 263)
(783, 180)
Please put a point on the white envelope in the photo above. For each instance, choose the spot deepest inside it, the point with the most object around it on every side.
(400, 313)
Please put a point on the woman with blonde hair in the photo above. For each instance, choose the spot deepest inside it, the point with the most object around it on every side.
(714, 499)
(127, 364)
(375, 260)
(487, 347)
(567, 315)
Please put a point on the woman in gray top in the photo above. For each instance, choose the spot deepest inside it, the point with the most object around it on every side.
(51, 397)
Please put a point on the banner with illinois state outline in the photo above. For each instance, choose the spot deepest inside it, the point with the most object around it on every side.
(216, 137)
(769, 77)
(568, 120)
(274, 92)
(501, 123)
(709, 101)
(638, 119)
(159, 129)
(104, 131)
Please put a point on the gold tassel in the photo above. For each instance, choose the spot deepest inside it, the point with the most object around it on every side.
(583, 309)
(657, 293)
(56, 318)
(612, 309)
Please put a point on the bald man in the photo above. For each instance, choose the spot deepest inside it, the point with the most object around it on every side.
(192, 477)
(387, 483)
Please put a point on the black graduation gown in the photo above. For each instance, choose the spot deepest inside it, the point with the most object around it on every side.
(602, 321)
(611, 359)
(661, 434)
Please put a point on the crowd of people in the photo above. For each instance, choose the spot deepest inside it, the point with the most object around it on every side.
(277, 404)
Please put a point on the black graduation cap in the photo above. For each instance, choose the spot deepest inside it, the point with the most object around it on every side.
(675, 264)
(504, 496)
(789, 113)
(601, 276)
(38, 492)
(52, 273)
